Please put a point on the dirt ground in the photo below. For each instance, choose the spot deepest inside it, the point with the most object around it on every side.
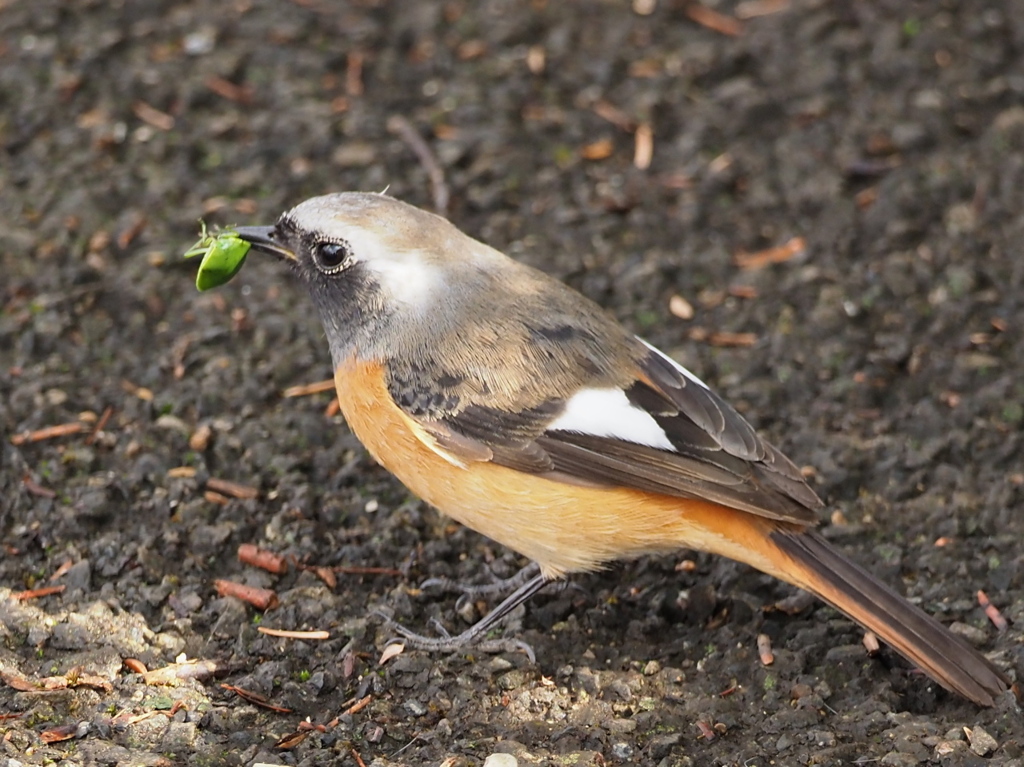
(886, 353)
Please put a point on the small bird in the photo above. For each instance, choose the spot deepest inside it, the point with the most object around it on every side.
(521, 409)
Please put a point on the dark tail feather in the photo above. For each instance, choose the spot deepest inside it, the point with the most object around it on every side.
(945, 657)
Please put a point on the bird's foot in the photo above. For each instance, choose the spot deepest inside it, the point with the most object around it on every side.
(474, 635)
(476, 590)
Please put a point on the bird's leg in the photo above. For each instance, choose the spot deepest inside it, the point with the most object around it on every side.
(497, 586)
(474, 633)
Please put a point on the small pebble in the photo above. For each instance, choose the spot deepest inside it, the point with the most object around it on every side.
(501, 760)
(415, 708)
(975, 636)
(981, 742)
(622, 751)
(946, 748)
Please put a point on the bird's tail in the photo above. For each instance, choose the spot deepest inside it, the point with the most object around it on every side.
(819, 568)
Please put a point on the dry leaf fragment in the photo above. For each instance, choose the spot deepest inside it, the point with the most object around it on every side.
(354, 73)
(291, 740)
(795, 604)
(713, 20)
(536, 59)
(64, 567)
(326, 574)
(643, 152)
(19, 683)
(393, 650)
(135, 665)
(200, 438)
(240, 94)
(597, 150)
(614, 115)
(743, 291)
(60, 733)
(153, 116)
(35, 488)
(870, 642)
(680, 307)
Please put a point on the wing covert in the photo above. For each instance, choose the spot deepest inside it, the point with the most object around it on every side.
(666, 433)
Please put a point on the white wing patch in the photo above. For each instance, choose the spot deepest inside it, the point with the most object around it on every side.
(609, 413)
(686, 373)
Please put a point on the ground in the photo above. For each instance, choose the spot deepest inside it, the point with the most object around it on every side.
(883, 352)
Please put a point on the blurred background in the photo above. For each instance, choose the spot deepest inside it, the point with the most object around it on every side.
(816, 206)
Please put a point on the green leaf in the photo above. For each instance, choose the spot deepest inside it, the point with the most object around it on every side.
(223, 256)
(223, 259)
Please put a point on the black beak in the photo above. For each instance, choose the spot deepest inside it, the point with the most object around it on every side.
(265, 240)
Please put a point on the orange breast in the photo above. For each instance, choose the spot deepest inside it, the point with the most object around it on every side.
(563, 527)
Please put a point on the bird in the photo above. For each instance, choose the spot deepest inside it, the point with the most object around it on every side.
(523, 410)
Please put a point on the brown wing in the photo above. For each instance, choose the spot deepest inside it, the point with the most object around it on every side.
(716, 455)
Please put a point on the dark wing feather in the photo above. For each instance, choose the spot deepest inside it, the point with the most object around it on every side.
(726, 436)
(718, 456)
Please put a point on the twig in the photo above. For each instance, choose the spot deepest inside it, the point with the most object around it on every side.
(752, 9)
(261, 599)
(45, 591)
(36, 489)
(255, 698)
(358, 706)
(357, 570)
(233, 489)
(60, 430)
(777, 255)
(287, 634)
(263, 559)
(992, 612)
(100, 425)
(404, 129)
(354, 73)
(313, 388)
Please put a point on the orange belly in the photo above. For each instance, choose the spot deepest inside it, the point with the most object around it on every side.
(563, 527)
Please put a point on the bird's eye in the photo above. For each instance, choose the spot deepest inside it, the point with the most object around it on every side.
(331, 256)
